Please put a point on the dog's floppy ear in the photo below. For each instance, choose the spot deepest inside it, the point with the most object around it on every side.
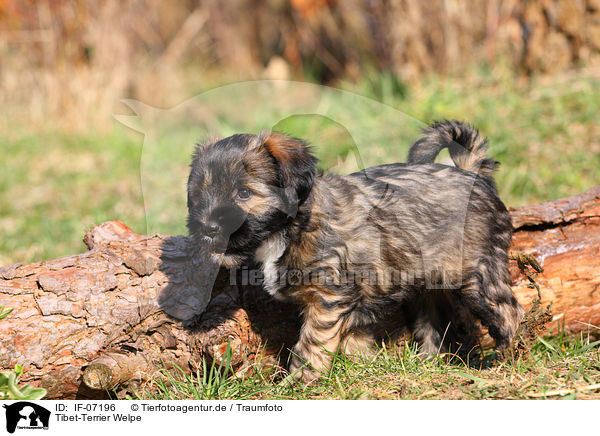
(296, 166)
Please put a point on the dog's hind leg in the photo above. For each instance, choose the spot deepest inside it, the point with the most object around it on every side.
(428, 337)
(426, 324)
(487, 294)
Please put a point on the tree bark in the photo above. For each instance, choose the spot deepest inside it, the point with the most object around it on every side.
(112, 317)
(564, 237)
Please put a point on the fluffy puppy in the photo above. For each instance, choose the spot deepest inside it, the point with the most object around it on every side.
(417, 247)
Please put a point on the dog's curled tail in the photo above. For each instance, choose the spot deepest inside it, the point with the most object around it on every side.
(467, 149)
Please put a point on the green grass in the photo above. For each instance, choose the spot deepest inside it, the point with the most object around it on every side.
(55, 185)
(562, 367)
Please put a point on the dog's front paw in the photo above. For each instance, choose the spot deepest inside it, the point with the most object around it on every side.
(303, 372)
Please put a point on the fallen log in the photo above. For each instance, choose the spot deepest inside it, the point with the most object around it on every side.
(84, 324)
(128, 308)
(564, 237)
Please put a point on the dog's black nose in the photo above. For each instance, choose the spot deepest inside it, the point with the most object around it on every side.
(211, 229)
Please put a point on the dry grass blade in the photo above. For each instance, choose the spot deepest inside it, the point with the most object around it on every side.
(562, 392)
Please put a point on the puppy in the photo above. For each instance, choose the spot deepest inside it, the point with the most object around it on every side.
(417, 247)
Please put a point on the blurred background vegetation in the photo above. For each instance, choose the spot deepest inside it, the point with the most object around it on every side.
(526, 73)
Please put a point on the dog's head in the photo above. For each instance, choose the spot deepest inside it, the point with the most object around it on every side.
(244, 188)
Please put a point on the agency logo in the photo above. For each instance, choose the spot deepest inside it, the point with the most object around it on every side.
(26, 415)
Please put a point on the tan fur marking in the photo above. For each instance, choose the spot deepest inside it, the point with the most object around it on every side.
(281, 146)
(256, 205)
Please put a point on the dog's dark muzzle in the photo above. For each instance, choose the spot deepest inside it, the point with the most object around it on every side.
(215, 225)
(210, 229)
(213, 234)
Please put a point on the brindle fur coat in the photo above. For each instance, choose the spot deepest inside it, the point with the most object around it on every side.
(414, 247)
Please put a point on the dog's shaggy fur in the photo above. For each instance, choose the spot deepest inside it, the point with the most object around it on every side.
(418, 247)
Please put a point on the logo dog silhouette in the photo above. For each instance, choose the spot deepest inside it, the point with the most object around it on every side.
(26, 414)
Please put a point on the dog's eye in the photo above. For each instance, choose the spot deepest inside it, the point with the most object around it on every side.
(244, 194)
